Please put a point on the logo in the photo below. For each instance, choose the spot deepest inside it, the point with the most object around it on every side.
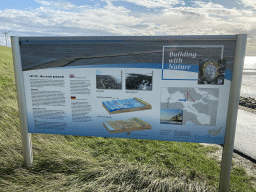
(214, 132)
(207, 137)
(71, 75)
(181, 134)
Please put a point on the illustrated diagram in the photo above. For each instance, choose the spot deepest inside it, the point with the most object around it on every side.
(128, 125)
(125, 105)
(189, 106)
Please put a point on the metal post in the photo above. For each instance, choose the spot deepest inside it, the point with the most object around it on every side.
(232, 112)
(25, 136)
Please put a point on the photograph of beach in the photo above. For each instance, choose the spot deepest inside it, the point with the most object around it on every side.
(171, 116)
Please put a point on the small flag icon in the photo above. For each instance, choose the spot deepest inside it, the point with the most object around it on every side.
(73, 98)
(71, 75)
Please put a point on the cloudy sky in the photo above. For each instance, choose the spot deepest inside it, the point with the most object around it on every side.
(129, 17)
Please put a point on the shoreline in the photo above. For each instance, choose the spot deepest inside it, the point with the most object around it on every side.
(247, 109)
(247, 104)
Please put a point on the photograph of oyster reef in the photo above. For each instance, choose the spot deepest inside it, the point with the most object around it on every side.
(108, 79)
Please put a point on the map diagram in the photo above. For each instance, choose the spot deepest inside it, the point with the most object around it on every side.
(198, 105)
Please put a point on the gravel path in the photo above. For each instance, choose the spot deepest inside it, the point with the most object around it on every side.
(245, 137)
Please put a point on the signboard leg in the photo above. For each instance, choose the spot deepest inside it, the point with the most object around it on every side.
(232, 112)
(27, 149)
(25, 136)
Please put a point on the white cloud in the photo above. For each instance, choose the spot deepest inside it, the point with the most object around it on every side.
(119, 20)
(154, 3)
(2, 41)
(65, 18)
(249, 3)
(209, 5)
(45, 3)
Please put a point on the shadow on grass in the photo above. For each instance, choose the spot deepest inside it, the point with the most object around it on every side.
(67, 166)
(6, 170)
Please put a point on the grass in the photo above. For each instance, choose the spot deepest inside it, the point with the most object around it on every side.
(70, 163)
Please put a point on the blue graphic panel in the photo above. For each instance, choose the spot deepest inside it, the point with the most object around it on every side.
(115, 105)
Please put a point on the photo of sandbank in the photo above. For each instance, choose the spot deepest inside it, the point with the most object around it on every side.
(125, 105)
(128, 125)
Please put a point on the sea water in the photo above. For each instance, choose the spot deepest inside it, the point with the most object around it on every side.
(250, 62)
(248, 88)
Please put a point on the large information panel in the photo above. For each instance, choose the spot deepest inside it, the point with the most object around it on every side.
(156, 88)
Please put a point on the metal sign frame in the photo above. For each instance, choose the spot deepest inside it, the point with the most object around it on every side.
(232, 106)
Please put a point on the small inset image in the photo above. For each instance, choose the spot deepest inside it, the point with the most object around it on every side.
(138, 81)
(171, 116)
(127, 125)
(125, 105)
(211, 71)
(108, 79)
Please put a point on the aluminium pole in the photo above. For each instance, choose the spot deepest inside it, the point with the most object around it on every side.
(232, 112)
(25, 136)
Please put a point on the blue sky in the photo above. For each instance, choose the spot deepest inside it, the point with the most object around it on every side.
(129, 17)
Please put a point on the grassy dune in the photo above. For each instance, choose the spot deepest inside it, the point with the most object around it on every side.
(69, 163)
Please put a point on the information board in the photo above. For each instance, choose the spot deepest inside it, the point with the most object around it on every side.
(155, 88)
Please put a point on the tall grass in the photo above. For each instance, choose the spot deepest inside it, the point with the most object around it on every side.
(70, 163)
